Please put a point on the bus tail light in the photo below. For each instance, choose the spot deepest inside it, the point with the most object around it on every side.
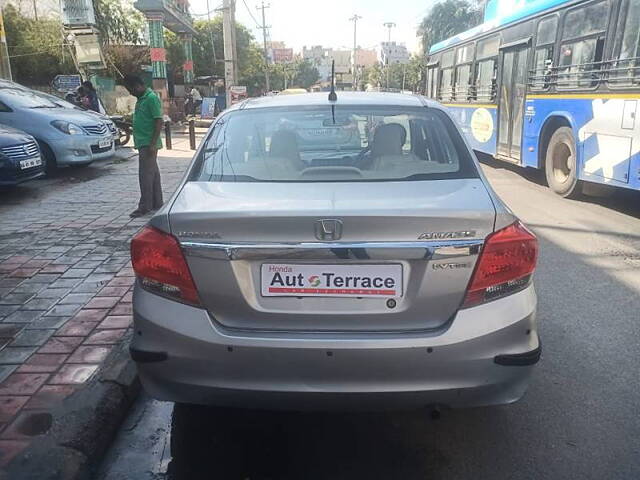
(161, 267)
(505, 266)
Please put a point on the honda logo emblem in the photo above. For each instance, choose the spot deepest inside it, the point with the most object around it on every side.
(328, 230)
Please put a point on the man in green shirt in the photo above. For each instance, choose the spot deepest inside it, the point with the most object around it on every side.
(147, 125)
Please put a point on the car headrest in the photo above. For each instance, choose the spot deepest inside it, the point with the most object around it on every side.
(388, 139)
(284, 144)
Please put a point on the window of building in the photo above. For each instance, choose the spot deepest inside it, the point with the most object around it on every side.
(543, 55)
(625, 71)
(582, 46)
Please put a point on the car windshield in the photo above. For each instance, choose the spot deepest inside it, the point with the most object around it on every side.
(25, 99)
(334, 143)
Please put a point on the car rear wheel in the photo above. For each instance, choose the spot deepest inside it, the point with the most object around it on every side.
(561, 164)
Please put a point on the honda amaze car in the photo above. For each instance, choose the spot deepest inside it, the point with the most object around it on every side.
(298, 272)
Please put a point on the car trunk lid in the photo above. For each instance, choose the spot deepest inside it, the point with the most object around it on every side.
(423, 235)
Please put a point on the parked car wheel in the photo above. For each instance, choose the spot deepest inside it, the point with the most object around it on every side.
(561, 164)
(49, 158)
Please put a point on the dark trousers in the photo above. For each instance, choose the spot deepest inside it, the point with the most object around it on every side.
(149, 176)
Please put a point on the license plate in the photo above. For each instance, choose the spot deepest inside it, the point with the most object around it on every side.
(30, 163)
(290, 280)
(104, 143)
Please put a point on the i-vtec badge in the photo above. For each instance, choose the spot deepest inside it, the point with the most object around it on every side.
(447, 235)
(450, 266)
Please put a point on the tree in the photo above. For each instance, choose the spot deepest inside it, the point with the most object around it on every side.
(305, 74)
(446, 19)
(118, 22)
(208, 56)
(37, 50)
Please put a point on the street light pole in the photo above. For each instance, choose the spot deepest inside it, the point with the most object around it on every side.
(266, 52)
(354, 62)
(389, 26)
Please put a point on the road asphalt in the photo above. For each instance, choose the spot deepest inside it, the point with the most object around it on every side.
(579, 419)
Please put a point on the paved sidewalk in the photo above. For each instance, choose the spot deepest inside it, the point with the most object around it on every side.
(65, 284)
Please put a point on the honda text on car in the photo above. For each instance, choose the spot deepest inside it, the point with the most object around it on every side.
(291, 270)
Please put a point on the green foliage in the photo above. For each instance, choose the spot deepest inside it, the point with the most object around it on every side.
(446, 19)
(408, 76)
(36, 49)
(305, 74)
(118, 22)
(208, 56)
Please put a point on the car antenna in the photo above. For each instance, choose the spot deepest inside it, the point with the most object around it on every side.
(332, 94)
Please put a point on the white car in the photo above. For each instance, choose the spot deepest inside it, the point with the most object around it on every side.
(295, 271)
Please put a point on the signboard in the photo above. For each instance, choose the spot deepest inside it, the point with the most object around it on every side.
(208, 109)
(282, 55)
(67, 83)
(88, 49)
(237, 93)
(77, 13)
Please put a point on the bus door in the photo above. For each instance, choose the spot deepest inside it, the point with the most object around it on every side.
(513, 82)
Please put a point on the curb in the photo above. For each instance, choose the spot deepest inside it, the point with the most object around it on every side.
(82, 425)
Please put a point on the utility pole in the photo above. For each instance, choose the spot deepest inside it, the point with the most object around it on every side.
(213, 45)
(5, 65)
(266, 51)
(228, 23)
(354, 62)
(389, 26)
(35, 9)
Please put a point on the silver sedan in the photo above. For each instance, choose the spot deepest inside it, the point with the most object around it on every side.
(298, 268)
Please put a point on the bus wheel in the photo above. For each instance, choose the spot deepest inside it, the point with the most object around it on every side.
(560, 164)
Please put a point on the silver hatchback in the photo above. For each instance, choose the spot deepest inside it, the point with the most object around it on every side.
(297, 268)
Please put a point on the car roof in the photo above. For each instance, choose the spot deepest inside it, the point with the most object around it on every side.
(344, 98)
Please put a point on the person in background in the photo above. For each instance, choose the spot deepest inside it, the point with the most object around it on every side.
(197, 99)
(147, 126)
(92, 102)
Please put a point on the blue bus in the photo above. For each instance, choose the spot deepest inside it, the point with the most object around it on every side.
(553, 86)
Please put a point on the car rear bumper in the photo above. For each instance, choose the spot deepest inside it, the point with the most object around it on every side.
(183, 356)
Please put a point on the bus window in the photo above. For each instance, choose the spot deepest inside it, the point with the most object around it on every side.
(464, 59)
(626, 69)
(486, 69)
(432, 79)
(445, 88)
(543, 56)
(445, 91)
(582, 46)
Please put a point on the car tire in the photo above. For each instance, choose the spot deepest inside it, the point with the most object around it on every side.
(561, 164)
(50, 162)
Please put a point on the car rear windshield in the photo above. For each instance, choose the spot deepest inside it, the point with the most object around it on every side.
(332, 144)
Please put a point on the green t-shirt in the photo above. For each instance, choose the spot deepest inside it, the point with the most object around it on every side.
(148, 110)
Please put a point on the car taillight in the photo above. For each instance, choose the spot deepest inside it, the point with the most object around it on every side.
(505, 266)
(161, 267)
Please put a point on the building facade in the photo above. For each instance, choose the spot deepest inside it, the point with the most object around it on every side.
(390, 53)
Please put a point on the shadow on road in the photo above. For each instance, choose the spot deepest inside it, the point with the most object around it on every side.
(620, 199)
(235, 444)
